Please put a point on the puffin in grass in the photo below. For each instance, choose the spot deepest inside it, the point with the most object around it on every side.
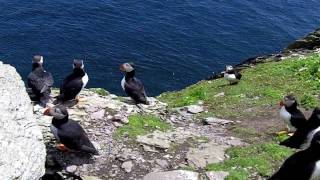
(132, 85)
(40, 82)
(303, 165)
(69, 132)
(301, 139)
(291, 115)
(73, 83)
(231, 75)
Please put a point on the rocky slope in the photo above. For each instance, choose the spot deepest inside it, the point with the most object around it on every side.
(22, 152)
(189, 144)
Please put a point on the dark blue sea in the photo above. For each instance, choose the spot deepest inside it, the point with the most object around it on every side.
(173, 43)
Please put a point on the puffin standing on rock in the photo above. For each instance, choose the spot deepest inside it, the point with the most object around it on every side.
(73, 83)
(303, 165)
(132, 85)
(69, 132)
(40, 81)
(291, 115)
(231, 75)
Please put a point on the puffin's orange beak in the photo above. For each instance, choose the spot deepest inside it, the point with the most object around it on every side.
(281, 103)
(122, 68)
(47, 112)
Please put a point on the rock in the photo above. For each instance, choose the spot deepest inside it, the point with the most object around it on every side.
(219, 94)
(116, 124)
(90, 178)
(206, 154)
(127, 166)
(71, 169)
(125, 120)
(172, 175)
(311, 41)
(148, 148)
(98, 115)
(217, 175)
(22, 152)
(215, 121)
(195, 109)
(162, 163)
(157, 139)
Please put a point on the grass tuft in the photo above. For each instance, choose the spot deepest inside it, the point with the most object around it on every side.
(262, 158)
(141, 125)
(100, 91)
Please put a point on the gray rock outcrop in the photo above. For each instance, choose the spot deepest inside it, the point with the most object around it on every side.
(22, 152)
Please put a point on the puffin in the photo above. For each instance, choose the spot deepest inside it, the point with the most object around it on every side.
(290, 114)
(231, 75)
(132, 85)
(303, 165)
(40, 81)
(69, 132)
(302, 136)
(73, 83)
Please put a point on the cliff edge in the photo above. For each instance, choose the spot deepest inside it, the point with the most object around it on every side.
(22, 152)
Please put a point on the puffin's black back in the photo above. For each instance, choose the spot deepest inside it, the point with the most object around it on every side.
(71, 85)
(72, 135)
(135, 89)
(40, 81)
(298, 120)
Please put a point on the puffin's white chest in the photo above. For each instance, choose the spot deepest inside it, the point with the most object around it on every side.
(230, 77)
(316, 172)
(123, 81)
(285, 116)
(54, 131)
(85, 80)
(309, 138)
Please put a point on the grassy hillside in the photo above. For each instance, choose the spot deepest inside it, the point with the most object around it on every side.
(254, 101)
(262, 85)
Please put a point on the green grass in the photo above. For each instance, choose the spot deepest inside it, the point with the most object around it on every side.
(262, 158)
(249, 134)
(100, 91)
(140, 125)
(262, 85)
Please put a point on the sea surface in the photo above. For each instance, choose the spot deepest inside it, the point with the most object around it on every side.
(174, 43)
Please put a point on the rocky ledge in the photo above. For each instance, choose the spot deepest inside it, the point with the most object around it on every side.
(189, 144)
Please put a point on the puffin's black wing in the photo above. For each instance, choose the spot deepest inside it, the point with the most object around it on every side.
(40, 81)
(298, 166)
(74, 137)
(135, 89)
(70, 87)
(298, 120)
(237, 74)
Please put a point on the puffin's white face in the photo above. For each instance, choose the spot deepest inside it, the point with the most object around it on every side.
(41, 60)
(288, 101)
(229, 68)
(78, 64)
(57, 113)
(126, 67)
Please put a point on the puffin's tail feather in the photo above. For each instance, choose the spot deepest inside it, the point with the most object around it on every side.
(91, 150)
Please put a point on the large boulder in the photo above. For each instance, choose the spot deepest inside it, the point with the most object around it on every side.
(22, 151)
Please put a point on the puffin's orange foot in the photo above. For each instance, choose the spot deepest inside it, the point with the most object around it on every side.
(62, 147)
(282, 133)
(47, 111)
(79, 99)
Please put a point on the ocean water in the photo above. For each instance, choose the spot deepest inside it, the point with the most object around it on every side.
(173, 43)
